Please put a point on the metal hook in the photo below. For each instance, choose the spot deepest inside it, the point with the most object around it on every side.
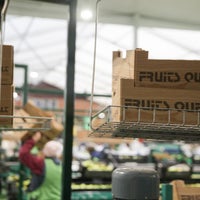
(4, 7)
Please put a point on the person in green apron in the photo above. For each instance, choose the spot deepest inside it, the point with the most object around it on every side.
(46, 168)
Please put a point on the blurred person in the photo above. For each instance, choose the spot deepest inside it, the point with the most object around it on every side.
(45, 167)
(99, 152)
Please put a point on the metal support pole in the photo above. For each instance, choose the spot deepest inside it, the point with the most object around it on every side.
(25, 85)
(22, 168)
(136, 19)
(167, 192)
(69, 104)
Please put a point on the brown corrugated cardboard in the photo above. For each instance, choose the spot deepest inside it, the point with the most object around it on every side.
(6, 105)
(164, 99)
(53, 130)
(6, 122)
(6, 92)
(182, 74)
(122, 67)
(7, 65)
(33, 110)
(21, 121)
(181, 191)
(6, 108)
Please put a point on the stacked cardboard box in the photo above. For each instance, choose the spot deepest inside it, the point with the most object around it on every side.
(162, 84)
(6, 85)
(181, 191)
(30, 119)
(51, 130)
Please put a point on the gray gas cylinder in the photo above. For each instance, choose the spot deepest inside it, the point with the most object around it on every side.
(135, 184)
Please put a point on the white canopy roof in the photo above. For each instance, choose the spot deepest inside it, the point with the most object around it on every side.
(38, 31)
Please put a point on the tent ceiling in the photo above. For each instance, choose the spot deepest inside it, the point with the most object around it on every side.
(38, 31)
(179, 13)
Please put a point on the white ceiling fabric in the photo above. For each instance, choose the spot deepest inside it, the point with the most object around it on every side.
(39, 35)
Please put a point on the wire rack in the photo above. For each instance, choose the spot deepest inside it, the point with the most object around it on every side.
(25, 123)
(159, 124)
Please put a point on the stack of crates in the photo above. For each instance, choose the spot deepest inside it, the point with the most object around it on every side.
(30, 119)
(52, 129)
(155, 84)
(6, 86)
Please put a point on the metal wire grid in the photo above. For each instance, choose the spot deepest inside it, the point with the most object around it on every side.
(137, 128)
(26, 123)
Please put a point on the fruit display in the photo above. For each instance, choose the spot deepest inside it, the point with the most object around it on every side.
(171, 161)
(93, 164)
(76, 170)
(90, 186)
(97, 169)
(135, 151)
(196, 155)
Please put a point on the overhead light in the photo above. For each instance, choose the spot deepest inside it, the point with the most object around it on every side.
(15, 95)
(86, 14)
(34, 75)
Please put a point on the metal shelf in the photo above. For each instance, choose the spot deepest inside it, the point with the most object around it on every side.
(102, 124)
(26, 123)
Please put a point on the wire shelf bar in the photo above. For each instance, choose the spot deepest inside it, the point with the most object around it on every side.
(25, 123)
(160, 127)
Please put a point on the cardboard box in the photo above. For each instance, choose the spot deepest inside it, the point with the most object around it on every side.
(33, 110)
(6, 105)
(6, 92)
(122, 67)
(126, 94)
(179, 74)
(52, 130)
(7, 65)
(55, 129)
(21, 121)
(183, 192)
(6, 122)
